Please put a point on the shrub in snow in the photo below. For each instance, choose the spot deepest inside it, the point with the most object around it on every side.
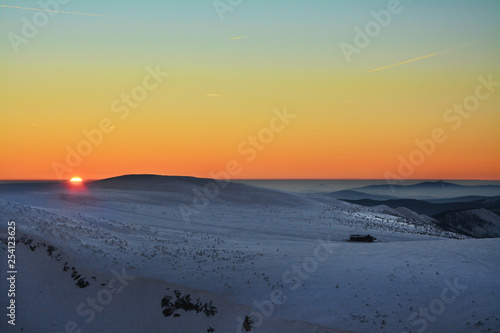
(248, 324)
(185, 303)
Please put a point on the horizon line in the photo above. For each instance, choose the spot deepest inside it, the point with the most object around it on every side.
(245, 179)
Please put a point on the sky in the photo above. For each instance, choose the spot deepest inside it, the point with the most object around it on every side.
(250, 89)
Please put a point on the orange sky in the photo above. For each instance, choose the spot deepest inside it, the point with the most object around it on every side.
(75, 75)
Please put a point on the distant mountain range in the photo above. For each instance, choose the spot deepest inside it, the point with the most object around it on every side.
(358, 195)
(431, 209)
(469, 210)
(421, 191)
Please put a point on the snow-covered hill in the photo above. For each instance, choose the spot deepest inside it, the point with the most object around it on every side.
(277, 259)
(480, 223)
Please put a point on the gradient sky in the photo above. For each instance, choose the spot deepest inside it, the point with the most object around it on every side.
(350, 122)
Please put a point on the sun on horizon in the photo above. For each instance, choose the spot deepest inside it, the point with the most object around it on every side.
(76, 180)
(324, 90)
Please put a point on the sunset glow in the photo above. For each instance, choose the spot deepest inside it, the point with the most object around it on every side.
(116, 91)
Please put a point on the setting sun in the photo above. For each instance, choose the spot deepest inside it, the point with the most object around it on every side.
(332, 150)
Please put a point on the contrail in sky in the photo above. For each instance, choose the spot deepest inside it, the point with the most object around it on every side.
(429, 55)
(53, 11)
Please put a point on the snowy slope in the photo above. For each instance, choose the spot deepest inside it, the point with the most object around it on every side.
(246, 247)
(480, 223)
(51, 299)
